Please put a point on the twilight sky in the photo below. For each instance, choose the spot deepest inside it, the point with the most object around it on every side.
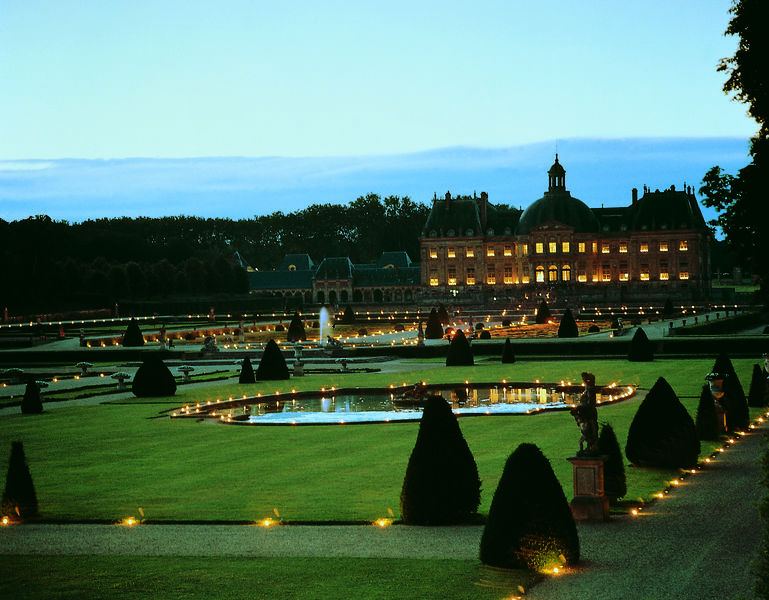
(175, 79)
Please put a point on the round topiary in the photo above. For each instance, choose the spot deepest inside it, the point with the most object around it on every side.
(133, 336)
(614, 478)
(273, 365)
(32, 403)
(19, 498)
(708, 427)
(246, 372)
(433, 328)
(508, 357)
(593, 329)
(641, 349)
(153, 379)
(296, 331)
(530, 524)
(460, 354)
(441, 485)
(662, 433)
(568, 327)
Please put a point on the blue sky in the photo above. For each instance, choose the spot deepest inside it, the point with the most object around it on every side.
(167, 79)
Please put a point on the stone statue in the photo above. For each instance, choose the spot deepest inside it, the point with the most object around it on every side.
(586, 415)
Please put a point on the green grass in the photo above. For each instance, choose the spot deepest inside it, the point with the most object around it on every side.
(119, 577)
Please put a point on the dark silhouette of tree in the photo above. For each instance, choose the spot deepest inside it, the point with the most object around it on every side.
(641, 349)
(433, 328)
(708, 427)
(153, 379)
(296, 332)
(460, 353)
(348, 317)
(734, 402)
(508, 357)
(568, 327)
(758, 384)
(273, 365)
(614, 478)
(668, 310)
(247, 372)
(543, 314)
(441, 485)
(530, 524)
(662, 433)
(32, 403)
(443, 315)
(133, 336)
(19, 497)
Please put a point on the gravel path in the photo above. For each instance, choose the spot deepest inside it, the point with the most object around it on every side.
(695, 544)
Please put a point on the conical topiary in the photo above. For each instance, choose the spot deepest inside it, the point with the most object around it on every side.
(32, 403)
(296, 331)
(543, 314)
(460, 354)
(153, 379)
(246, 372)
(568, 327)
(614, 478)
(133, 336)
(734, 402)
(441, 485)
(273, 364)
(662, 433)
(443, 315)
(433, 328)
(641, 349)
(757, 392)
(348, 317)
(530, 524)
(708, 427)
(508, 357)
(668, 310)
(19, 497)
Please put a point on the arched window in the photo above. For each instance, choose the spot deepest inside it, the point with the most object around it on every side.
(552, 273)
(540, 274)
(566, 273)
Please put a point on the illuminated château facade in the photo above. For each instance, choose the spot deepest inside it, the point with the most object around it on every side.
(656, 248)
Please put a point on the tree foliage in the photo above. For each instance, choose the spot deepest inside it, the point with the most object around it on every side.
(296, 332)
(433, 328)
(273, 365)
(641, 349)
(153, 379)
(32, 403)
(543, 314)
(460, 353)
(568, 327)
(247, 372)
(708, 427)
(508, 356)
(441, 485)
(614, 478)
(19, 498)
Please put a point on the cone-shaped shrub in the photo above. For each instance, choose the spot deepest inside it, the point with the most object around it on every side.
(641, 349)
(508, 356)
(441, 485)
(133, 336)
(757, 393)
(530, 524)
(32, 403)
(443, 315)
(433, 328)
(296, 331)
(247, 372)
(668, 310)
(568, 327)
(19, 497)
(708, 427)
(348, 318)
(614, 479)
(543, 314)
(460, 354)
(485, 335)
(734, 401)
(273, 364)
(153, 379)
(662, 433)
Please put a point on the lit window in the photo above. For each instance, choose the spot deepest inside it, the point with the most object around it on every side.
(624, 274)
(604, 248)
(433, 253)
(606, 273)
(566, 273)
(470, 276)
(664, 275)
(540, 275)
(490, 251)
(683, 271)
(552, 247)
(623, 247)
(508, 275)
(508, 250)
(491, 276)
(525, 279)
(683, 245)
(451, 253)
(552, 274)
(525, 249)
(433, 278)
(582, 277)
(663, 246)
(581, 247)
(470, 253)
(565, 247)
(595, 247)
(539, 248)
(645, 272)
(644, 247)
(452, 276)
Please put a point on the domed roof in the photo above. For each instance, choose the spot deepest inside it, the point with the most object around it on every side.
(558, 205)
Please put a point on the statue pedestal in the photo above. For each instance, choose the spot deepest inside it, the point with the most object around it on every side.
(298, 368)
(589, 502)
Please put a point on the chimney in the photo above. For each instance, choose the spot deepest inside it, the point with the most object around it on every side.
(635, 196)
(448, 201)
(484, 209)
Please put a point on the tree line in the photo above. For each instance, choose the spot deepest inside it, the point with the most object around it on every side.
(47, 264)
